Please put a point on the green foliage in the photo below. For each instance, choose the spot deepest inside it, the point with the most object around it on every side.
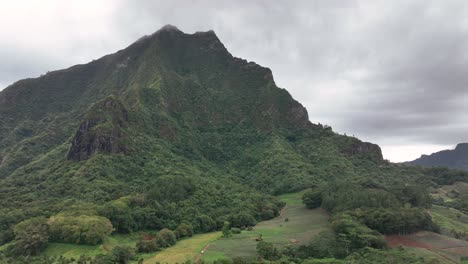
(323, 261)
(7, 220)
(236, 230)
(267, 251)
(31, 236)
(413, 195)
(176, 130)
(340, 196)
(206, 224)
(391, 221)
(373, 256)
(147, 246)
(184, 230)
(122, 254)
(171, 188)
(242, 219)
(312, 198)
(83, 229)
(120, 215)
(352, 235)
(226, 229)
(166, 238)
(325, 245)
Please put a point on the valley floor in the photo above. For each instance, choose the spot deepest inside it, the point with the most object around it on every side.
(296, 225)
(301, 225)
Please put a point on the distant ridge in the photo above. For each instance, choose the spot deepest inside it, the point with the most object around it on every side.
(452, 158)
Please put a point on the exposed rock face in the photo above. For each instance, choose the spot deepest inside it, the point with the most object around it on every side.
(368, 149)
(101, 131)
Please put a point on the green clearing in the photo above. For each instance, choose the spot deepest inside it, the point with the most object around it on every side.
(428, 255)
(184, 250)
(75, 251)
(447, 247)
(303, 224)
(447, 192)
(450, 218)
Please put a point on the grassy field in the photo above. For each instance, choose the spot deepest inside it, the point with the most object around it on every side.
(184, 250)
(446, 192)
(450, 219)
(301, 226)
(75, 251)
(428, 255)
(431, 245)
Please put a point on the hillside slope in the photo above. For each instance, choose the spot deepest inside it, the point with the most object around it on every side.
(452, 158)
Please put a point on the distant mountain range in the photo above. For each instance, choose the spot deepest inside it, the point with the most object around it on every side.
(452, 158)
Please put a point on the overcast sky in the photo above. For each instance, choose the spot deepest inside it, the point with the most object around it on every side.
(390, 72)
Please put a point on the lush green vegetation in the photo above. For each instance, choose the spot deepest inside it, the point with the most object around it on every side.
(174, 136)
(302, 225)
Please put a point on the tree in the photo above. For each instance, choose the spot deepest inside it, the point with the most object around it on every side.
(268, 251)
(166, 238)
(184, 230)
(206, 224)
(243, 219)
(104, 259)
(31, 236)
(122, 254)
(226, 229)
(312, 199)
(119, 213)
(147, 246)
(83, 229)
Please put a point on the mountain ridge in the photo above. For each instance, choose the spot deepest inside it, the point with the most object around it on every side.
(456, 158)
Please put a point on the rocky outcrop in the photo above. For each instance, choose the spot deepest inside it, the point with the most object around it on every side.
(102, 131)
(364, 149)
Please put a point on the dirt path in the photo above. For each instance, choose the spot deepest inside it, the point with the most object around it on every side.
(443, 256)
(199, 255)
(282, 210)
(396, 240)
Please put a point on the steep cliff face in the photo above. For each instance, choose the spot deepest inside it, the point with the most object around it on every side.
(364, 150)
(102, 131)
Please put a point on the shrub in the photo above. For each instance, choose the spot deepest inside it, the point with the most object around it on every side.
(166, 238)
(123, 254)
(31, 237)
(206, 224)
(226, 229)
(268, 251)
(147, 246)
(184, 230)
(312, 199)
(82, 229)
(243, 219)
(236, 230)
